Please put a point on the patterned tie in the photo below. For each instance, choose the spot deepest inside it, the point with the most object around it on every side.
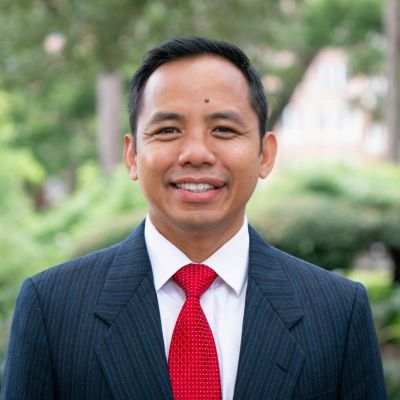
(193, 361)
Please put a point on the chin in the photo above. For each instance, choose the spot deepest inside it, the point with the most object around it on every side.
(200, 221)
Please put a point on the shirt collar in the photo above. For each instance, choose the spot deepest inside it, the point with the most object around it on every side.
(230, 261)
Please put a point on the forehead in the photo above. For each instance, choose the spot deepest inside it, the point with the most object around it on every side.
(200, 63)
(197, 76)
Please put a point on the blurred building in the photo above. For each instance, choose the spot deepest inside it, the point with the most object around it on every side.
(332, 116)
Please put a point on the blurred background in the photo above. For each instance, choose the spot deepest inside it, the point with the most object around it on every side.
(331, 69)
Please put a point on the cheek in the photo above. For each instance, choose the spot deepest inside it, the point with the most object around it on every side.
(247, 149)
(250, 173)
(160, 155)
(153, 169)
(149, 162)
(246, 163)
(245, 177)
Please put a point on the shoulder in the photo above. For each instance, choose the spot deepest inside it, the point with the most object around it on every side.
(329, 303)
(308, 280)
(95, 263)
(69, 291)
(90, 269)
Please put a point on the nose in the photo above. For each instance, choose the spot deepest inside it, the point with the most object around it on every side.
(197, 150)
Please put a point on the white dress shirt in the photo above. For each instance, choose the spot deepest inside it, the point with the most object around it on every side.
(223, 303)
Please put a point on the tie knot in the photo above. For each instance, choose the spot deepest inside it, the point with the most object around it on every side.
(195, 279)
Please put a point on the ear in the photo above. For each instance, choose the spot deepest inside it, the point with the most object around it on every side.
(268, 154)
(130, 156)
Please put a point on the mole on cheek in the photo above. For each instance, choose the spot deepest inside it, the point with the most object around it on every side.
(206, 100)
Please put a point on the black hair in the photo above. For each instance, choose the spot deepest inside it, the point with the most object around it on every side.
(178, 48)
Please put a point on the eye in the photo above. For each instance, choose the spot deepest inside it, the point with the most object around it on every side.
(224, 131)
(166, 133)
(167, 130)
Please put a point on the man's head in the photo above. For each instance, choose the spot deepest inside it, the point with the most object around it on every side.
(197, 151)
(179, 48)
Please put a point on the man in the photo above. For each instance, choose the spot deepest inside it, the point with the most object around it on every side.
(267, 325)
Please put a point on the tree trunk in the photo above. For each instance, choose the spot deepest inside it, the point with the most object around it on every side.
(109, 95)
(392, 22)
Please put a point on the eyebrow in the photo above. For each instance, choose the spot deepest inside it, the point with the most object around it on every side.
(165, 116)
(228, 115)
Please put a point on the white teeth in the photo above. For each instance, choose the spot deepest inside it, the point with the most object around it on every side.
(195, 187)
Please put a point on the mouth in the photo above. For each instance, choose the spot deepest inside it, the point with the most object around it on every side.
(195, 187)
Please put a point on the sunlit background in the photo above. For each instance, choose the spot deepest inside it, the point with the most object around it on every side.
(331, 73)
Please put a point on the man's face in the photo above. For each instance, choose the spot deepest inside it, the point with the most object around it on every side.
(197, 147)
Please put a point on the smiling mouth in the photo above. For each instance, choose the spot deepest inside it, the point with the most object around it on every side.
(195, 187)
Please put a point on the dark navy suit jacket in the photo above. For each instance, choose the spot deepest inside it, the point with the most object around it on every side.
(90, 329)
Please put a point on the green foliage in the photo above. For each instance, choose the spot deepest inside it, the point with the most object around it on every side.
(99, 213)
(385, 302)
(387, 317)
(316, 229)
(391, 371)
(56, 121)
(387, 320)
(4, 332)
(342, 23)
(389, 229)
(328, 214)
(18, 168)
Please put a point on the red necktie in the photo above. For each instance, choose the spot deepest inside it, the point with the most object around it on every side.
(193, 361)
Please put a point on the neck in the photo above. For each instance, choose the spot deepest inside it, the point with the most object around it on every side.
(196, 243)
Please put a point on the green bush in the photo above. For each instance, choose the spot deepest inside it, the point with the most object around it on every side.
(100, 212)
(387, 321)
(314, 228)
(327, 214)
(17, 248)
(387, 317)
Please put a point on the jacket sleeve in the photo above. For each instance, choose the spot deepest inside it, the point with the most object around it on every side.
(28, 371)
(362, 374)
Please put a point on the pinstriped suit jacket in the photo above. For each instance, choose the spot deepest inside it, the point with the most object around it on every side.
(90, 329)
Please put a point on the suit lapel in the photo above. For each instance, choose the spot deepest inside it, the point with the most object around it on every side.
(270, 359)
(132, 352)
